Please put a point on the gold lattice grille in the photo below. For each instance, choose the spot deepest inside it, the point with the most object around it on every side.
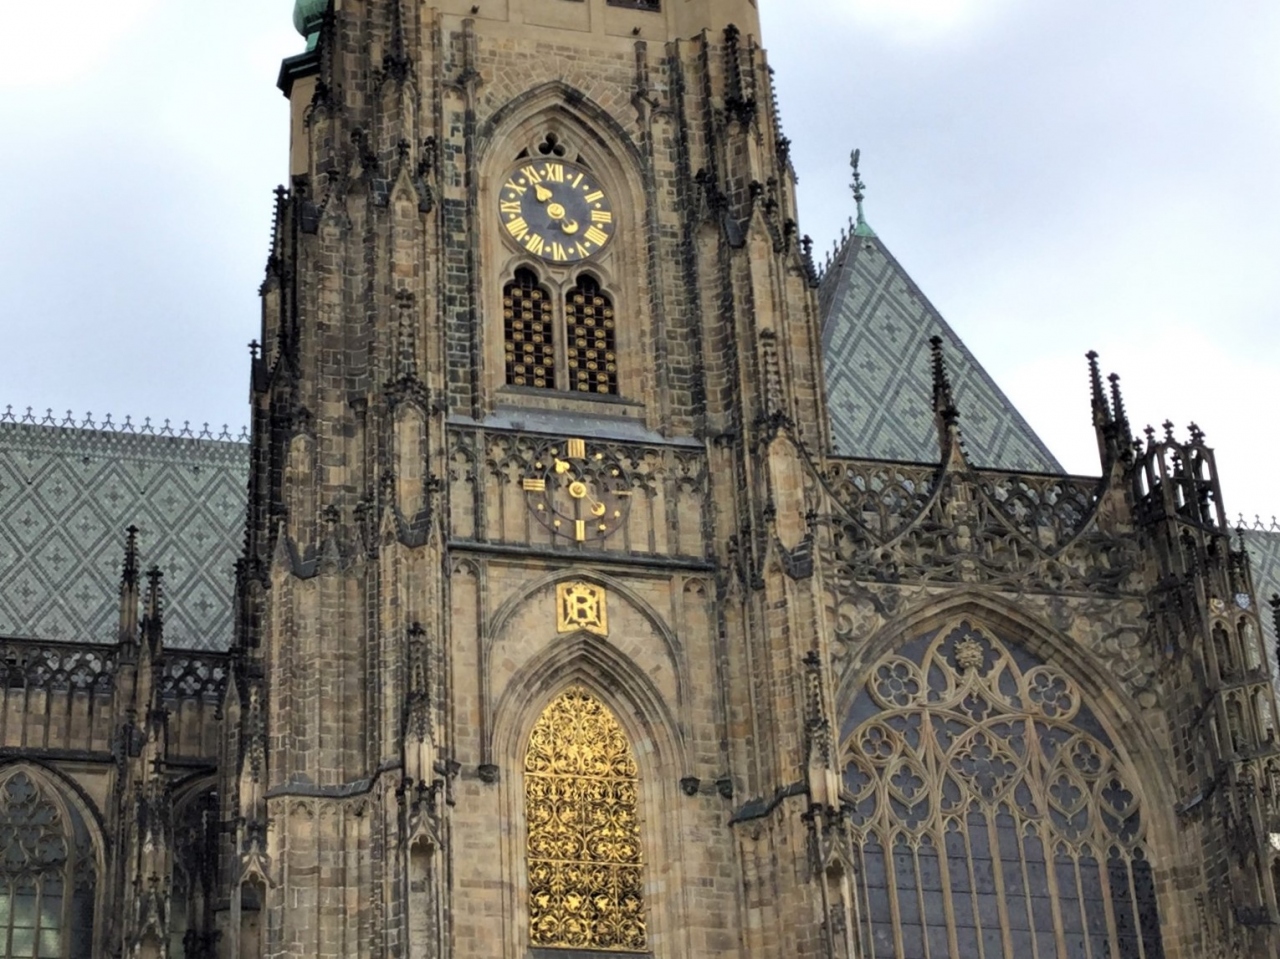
(530, 345)
(581, 796)
(991, 813)
(593, 344)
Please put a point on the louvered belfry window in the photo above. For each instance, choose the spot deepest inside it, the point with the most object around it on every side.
(993, 817)
(581, 789)
(592, 347)
(527, 328)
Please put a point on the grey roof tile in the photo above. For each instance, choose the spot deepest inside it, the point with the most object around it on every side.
(66, 497)
(875, 339)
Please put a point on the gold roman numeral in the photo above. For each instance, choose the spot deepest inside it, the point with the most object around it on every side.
(511, 206)
(581, 250)
(595, 197)
(580, 529)
(577, 449)
(535, 486)
(515, 187)
(601, 216)
(597, 236)
(535, 244)
(558, 252)
(518, 228)
(531, 175)
(554, 172)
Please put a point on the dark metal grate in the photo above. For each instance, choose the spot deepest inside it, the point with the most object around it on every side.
(593, 342)
(531, 355)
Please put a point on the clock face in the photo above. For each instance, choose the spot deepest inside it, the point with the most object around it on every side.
(556, 210)
(578, 492)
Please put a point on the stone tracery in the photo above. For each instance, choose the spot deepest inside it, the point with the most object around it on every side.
(47, 874)
(991, 812)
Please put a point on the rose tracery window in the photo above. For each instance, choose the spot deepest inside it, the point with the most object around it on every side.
(581, 806)
(992, 815)
(47, 874)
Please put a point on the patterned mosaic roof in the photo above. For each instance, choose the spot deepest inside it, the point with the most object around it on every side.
(67, 495)
(875, 338)
(1263, 543)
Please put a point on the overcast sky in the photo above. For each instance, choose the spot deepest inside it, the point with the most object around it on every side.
(1057, 176)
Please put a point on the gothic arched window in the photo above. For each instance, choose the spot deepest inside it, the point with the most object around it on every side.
(992, 815)
(581, 788)
(528, 334)
(591, 347)
(47, 874)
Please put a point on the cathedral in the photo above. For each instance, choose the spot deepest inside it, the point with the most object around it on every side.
(602, 576)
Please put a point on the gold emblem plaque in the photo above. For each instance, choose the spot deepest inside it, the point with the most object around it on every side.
(581, 606)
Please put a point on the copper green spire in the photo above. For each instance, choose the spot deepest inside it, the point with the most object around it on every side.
(859, 192)
(307, 17)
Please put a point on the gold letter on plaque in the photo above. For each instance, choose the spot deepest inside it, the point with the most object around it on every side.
(581, 606)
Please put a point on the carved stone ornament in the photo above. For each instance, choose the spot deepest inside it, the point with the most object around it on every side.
(581, 606)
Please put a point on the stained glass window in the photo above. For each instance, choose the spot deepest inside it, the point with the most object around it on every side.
(592, 339)
(581, 802)
(993, 817)
(47, 875)
(527, 326)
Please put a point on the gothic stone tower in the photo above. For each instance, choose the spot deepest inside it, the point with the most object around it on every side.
(539, 356)
(560, 633)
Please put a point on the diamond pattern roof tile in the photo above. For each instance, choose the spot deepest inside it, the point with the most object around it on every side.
(1263, 545)
(875, 339)
(66, 497)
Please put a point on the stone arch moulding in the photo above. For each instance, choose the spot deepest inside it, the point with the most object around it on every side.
(560, 100)
(1119, 714)
(609, 675)
(599, 138)
(497, 623)
(659, 751)
(69, 791)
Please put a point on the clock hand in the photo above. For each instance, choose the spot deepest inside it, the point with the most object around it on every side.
(542, 193)
(569, 226)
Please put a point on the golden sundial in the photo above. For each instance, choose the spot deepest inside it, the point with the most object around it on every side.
(579, 493)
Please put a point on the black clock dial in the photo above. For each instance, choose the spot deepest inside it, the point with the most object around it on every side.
(580, 493)
(556, 210)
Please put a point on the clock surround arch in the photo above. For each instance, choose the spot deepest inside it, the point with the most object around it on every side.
(594, 140)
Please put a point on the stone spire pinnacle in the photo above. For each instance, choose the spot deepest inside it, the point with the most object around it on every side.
(946, 414)
(129, 597)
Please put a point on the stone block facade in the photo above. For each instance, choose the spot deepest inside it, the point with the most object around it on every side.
(527, 671)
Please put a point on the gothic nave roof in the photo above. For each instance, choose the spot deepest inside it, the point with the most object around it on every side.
(1263, 543)
(67, 495)
(875, 341)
